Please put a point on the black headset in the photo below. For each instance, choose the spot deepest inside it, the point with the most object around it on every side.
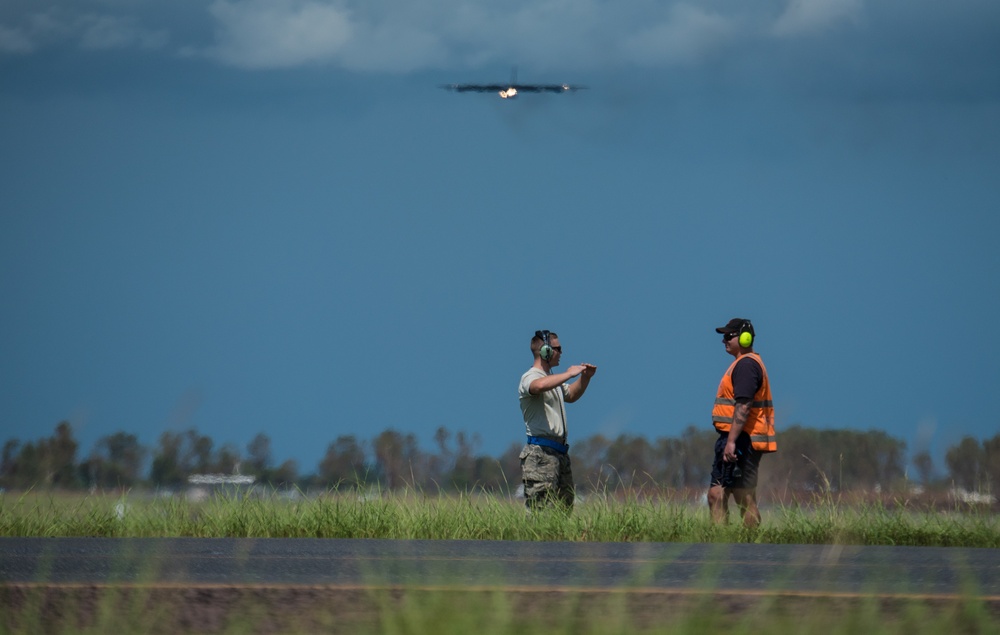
(746, 337)
(545, 352)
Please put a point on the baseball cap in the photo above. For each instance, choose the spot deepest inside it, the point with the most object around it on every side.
(735, 325)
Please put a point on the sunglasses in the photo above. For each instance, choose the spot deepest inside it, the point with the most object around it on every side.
(729, 336)
(557, 349)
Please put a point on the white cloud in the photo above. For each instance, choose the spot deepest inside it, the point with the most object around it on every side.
(111, 32)
(278, 33)
(688, 35)
(904, 43)
(34, 32)
(393, 46)
(57, 25)
(53, 22)
(14, 41)
(802, 17)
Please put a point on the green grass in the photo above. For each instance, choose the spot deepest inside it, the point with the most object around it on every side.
(412, 515)
(476, 517)
(395, 612)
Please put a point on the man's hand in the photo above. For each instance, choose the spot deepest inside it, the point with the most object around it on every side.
(577, 388)
(729, 454)
(741, 411)
(573, 371)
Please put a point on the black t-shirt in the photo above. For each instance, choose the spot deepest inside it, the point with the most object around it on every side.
(747, 379)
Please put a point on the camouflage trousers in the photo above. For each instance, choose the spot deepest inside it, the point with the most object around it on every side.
(547, 476)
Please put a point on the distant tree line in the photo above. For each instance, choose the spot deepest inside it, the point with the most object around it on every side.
(808, 459)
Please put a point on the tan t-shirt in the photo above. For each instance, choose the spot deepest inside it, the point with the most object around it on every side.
(544, 413)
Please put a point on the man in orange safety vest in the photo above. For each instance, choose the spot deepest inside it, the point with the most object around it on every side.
(744, 417)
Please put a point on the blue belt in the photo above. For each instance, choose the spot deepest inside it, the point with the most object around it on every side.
(561, 448)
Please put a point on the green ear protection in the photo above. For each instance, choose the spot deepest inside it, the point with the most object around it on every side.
(746, 337)
(545, 352)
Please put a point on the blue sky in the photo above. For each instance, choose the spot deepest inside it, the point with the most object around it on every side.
(258, 216)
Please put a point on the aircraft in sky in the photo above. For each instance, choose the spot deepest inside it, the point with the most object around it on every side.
(513, 89)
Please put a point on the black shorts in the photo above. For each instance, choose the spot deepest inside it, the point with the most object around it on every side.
(743, 473)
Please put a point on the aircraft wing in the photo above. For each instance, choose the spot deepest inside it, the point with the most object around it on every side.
(545, 88)
(477, 88)
(521, 88)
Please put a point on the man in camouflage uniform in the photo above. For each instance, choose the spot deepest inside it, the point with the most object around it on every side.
(545, 466)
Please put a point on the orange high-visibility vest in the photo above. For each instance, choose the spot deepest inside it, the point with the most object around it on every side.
(760, 421)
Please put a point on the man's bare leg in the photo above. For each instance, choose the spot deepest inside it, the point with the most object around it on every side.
(718, 503)
(747, 501)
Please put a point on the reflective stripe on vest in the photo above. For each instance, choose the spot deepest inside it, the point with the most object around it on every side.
(760, 420)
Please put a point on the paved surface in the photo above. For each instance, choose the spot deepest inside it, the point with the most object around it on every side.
(820, 569)
(349, 586)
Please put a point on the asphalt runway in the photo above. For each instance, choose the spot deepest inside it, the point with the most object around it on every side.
(324, 568)
(819, 569)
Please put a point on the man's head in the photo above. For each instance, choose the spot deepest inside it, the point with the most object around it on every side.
(738, 336)
(545, 346)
